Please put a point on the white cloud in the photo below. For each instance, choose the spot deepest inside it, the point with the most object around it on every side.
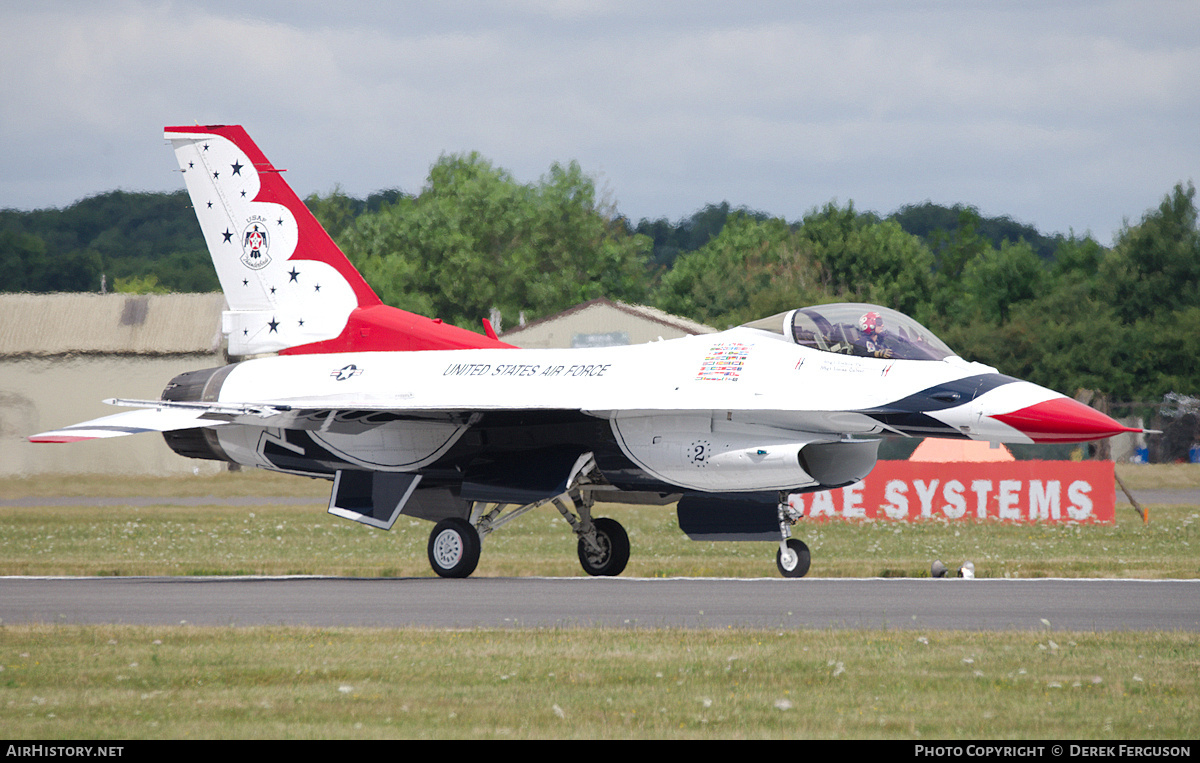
(1064, 114)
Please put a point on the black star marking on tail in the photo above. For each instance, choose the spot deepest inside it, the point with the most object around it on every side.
(274, 324)
(237, 168)
(293, 275)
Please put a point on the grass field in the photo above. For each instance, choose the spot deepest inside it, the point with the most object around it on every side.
(224, 538)
(66, 682)
(116, 682)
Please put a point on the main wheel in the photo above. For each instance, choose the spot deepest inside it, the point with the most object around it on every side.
(454, 548)
(794, 563)
(614, 549)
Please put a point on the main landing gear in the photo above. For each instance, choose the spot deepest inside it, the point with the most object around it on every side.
(603, 545)
(604, 552)
(454, 548)
(455, 544)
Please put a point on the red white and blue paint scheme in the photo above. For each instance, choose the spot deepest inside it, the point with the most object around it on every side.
(407, 415)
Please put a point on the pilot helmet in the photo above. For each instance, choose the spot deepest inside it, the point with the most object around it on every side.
(871, 323)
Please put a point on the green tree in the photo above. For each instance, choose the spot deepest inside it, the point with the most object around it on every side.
(752, 269)
(930, 221)
(952, 250)
(139, 285)
(1076, 261)
(691, 233)
(475, 238)
(21, 255)
(119, 234)
(1154, 267)
(863, 259)
(336, 211)
(996, 279)
(1164, 356)
(755, 268)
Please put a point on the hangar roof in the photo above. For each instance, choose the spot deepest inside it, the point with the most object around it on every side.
(601, 322)
(121, 324)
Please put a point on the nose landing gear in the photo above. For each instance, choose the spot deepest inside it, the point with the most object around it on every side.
(793, 558)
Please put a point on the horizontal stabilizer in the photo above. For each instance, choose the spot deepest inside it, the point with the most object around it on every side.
(127, 423)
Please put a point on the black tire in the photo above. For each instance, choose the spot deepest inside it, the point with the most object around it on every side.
(614, 554)
(796, 567)
(454, 548)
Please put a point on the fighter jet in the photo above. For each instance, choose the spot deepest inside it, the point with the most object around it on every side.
(408, 416)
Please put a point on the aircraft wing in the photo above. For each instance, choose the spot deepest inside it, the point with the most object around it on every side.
(351, 413)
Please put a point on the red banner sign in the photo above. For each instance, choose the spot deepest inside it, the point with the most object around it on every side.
(1017, 491)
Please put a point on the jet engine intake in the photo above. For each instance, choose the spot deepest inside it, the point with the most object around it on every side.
(837, 464)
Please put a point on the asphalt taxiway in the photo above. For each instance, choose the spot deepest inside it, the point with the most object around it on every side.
(957, 604)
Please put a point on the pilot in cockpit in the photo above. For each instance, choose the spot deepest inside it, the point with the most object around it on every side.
(873, 338)
(857, 329)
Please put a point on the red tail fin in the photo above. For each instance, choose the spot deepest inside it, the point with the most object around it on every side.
(290, 289)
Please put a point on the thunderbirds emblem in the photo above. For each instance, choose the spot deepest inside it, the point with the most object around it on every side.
(256, 245)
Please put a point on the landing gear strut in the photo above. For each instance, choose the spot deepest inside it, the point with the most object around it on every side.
(455, 543)
(603, 542)
(793, 558)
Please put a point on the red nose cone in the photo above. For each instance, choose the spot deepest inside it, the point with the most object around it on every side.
(1063, 420)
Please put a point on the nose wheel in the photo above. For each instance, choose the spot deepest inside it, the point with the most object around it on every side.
(793, 558)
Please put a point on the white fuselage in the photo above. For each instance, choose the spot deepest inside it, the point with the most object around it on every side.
(717, 412)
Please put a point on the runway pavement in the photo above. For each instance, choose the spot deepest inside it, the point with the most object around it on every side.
(1072, 604)
(1165, 496)
(1059, 604)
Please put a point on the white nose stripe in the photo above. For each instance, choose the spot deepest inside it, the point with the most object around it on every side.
(1013, 397)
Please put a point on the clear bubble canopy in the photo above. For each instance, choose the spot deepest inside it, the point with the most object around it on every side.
(854, 328)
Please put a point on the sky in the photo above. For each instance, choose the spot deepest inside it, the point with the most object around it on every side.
(1071, 116)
